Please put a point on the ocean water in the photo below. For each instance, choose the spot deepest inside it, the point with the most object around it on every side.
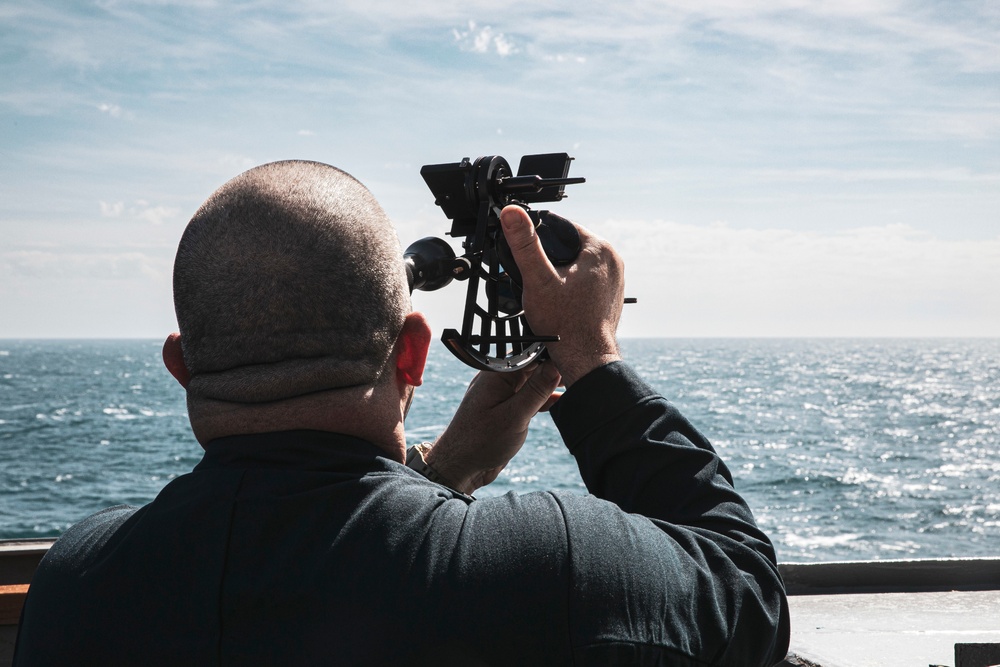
(845, 449)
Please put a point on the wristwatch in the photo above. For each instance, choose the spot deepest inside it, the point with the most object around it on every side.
(415, 461)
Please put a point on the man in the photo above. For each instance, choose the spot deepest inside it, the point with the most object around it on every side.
(303, 539)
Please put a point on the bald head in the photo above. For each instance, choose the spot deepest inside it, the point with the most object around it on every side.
(288, 280)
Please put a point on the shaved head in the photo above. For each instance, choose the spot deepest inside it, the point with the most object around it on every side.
(288, 280)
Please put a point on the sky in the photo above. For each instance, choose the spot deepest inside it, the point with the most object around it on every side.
(785, 168)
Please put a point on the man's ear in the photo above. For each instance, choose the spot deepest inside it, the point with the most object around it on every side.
(173, 359)
(411, 349)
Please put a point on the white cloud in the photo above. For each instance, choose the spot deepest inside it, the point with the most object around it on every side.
(112, 110)
(954, 175)
(157, 215)
(973, 125)
(722, 281)
(236, 163)
(112, 210)
(503, 45)
(68, 292)
(483, 40)
(74, 267)
(879, 107)
(566, 58)
(174, 4)
(75, 50)
(141, 210)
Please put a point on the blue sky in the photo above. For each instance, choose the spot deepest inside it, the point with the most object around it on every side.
(786, 168)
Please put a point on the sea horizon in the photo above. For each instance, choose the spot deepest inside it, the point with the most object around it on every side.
(845, 448)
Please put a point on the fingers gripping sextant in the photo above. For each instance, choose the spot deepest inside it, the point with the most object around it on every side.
(495, 334)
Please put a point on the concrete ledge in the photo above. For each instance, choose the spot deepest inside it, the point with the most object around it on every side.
(893, 629)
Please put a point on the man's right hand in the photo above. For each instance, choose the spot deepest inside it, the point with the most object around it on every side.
(581, 302)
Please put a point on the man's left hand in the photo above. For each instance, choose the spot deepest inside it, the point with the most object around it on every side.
(491, 424)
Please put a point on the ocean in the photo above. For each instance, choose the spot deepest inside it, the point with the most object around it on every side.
(844, 448)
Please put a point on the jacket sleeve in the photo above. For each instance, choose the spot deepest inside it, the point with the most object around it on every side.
(688, 556)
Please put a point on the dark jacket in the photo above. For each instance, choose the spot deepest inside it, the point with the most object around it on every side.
(311, 548)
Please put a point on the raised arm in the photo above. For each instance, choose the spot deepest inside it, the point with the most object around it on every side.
(582, 303)
(687, 551)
